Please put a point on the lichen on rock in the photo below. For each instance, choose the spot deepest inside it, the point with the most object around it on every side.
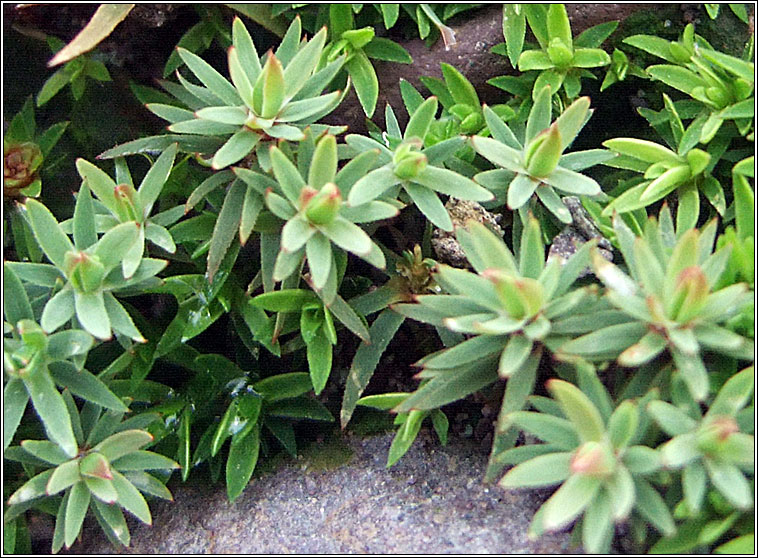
(445, 244)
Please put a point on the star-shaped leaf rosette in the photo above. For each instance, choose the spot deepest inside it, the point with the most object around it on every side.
(593, 452)
(107, 472)
(122, 203)
(508, 309)
(317, 220)
(537, 160)
(562, 62)
(269, 98)
(670, 302)
(416, 171)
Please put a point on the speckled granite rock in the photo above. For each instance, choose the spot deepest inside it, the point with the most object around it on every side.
(432, 501)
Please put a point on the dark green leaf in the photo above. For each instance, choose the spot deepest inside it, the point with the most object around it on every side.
(366, 359)
(300, 408)
(319, 354)
(226, 226)
(283, 386)
(285, 300)
(405, 436)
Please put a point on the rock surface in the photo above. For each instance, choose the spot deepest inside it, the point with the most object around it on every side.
(476, 33)
(433, 501)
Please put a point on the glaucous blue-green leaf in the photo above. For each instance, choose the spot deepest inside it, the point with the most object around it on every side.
(236, 148)
(372, 185)
(543, 470)
(240, 78)
(48, 232)
(572, 182)
(597, 523)
(16, 306)
(76, 508)
(319, 253)
(733, 395)
(113, 246)
(466, 352)
(348, 236)
(85, 385)
(169, 112)
(319, 80)
(130, 498)
(51, 408)
(652, 507)
(548, 428)
(91, 313)
(484, 249)
(421, 119)
(15, 398)
(453, 184)
(570, 500)
(213, 80)
(85, 234)
(364, 80)
(111, 519)
(287, 175)
(304, 109)
(515, 353)
(203, 127)
(301, 66)
(246, 51)
(286, 264)
(451, 385)
(58, 310)
(47, 451)
(122, 443)
(375, 210)
(430, 205)
(142, 460)
(31, 489)
(323, 167)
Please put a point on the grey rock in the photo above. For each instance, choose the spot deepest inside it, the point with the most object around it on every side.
(446, 245)
(581, 230)
(433, 501)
